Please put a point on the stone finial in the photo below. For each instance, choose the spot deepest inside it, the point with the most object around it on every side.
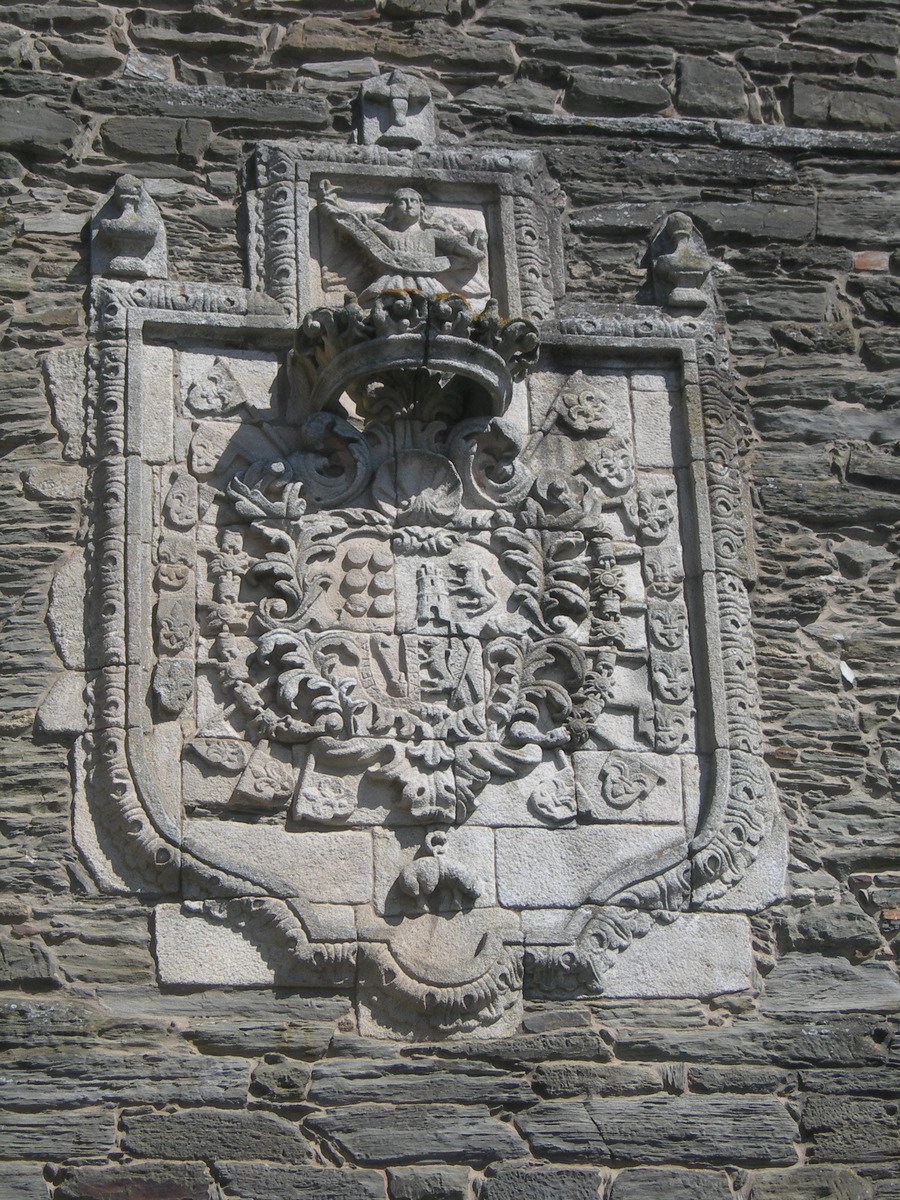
(395, 109)
(128, 238)
(680, 266)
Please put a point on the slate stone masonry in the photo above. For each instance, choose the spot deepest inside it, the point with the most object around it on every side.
(772, 128)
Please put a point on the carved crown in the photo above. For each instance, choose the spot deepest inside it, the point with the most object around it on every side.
(347, 350)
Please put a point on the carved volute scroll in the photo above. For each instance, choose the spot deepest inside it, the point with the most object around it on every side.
(418, 661)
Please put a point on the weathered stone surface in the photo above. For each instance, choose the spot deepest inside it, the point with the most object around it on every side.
(591, 91)
(843, 926)
(26, 964)
(414, 1081)
(162, 137)
(428, 1183)
(647, 1184)
(813, 1042)
(809, 1183)
(846, 1129)
(380, 1135)
(281, 109)
(710, 89)
(209, 1133)
(35, 128)
(265, 1181)
(813, 983)
(554, 1081)
(812, 104)
(690, 1130)
(24, 1181)
(864, 1081)
(534, 1048)
(65, 1077)
(319, 36)
(280, 1080)
(541, 1183)
(153, 1180)
(29, 1135)
(741, 1079)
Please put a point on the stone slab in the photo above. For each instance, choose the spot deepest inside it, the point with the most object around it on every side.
(327, 867)
(214, 1133)
(815, 983)
(698, 955)
(381, 1135)
(30, 1135)
(69, 1078)
(542, 1183)
(691, 1130)
(265, 1181)
(650, 1183)
(539, 868)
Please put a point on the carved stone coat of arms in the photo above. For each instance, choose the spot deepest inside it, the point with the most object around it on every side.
(410, 645)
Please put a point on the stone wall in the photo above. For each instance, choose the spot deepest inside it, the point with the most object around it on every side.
(769, 124)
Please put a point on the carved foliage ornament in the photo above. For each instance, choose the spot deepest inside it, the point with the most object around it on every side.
(389, 670)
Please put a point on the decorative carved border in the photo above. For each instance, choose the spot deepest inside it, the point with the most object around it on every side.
(513, 184)
(125, 807)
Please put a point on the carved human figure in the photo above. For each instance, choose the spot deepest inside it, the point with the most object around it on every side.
(412, 248)
(395, 110)
(130, 241)
(681, 272)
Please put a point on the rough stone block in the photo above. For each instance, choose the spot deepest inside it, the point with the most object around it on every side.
(23, 1181)
(541, 1183)
(139, 97)
(710, 89)
(819, 984)
(156, 137)
(429, 1183)
(280, 1080)
(35, 128)
(699, 953)
(846, 1129)
(263, 1181)
(65, 1077)
(835, 1041)
(853, 108)
(649, 1183)
(591, 92)
(858, 214)
(701, 1130)
(83, 1133)
(214, 1133)
(840, 926)
(150, 1180)
(381, 1135)
(416, 1081)
(809, 1183)
(556, 1081)
(26, 963)
(319, 37)
(539, 868)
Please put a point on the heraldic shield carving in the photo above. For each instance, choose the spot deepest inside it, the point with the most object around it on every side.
(408, 652)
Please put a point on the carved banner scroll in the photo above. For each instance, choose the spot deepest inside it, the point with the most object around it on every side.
(418, 657)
